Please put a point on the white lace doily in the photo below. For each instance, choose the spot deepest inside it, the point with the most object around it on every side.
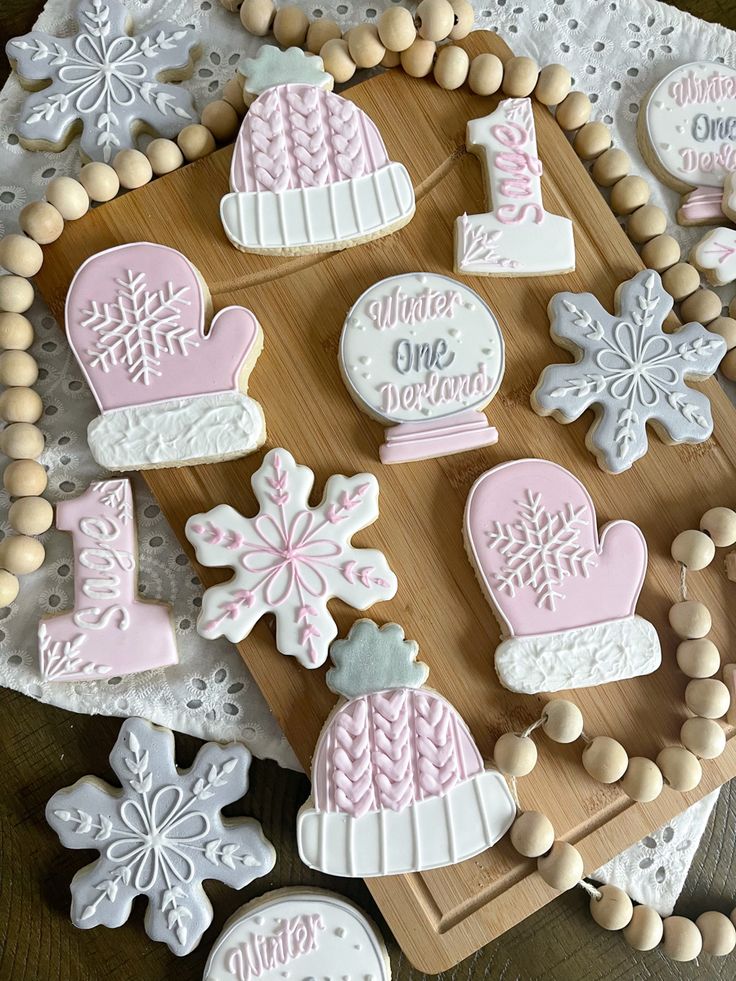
(616, 50)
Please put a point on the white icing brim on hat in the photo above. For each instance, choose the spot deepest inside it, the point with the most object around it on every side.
(431, 833)
(580, 657)
(177, 432)
(315, 219)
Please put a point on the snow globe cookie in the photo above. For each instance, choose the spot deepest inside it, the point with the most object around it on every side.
(564, 595)
(398, 784)
(169, 393)
(424, 353)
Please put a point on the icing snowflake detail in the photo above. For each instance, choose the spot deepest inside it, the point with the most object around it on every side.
(114, 494)
(291, 559)
(479, 247)
(629, 370)
(138, 328)
(103, 78)
(541, 549)
(159, 836)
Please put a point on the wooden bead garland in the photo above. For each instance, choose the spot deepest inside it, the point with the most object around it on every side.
(69, 198)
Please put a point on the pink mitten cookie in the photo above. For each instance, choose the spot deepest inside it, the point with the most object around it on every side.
(563, 596)
(110, 631)
(398, 784)
(169, 393)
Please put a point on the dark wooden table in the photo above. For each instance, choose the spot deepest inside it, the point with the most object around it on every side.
(43, 748)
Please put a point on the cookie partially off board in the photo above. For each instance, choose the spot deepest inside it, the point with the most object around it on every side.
(441, 916)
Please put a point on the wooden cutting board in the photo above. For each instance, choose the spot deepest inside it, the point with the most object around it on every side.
(441, 916)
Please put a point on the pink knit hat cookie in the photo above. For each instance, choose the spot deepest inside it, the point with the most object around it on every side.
(398, 784)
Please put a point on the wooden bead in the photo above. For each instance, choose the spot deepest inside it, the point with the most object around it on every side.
(515, 755)
(452, 66)
(707, 697)
(629, 194)
(25, 478)
(681, 280)
(732, 308)
(699, 658)
(718, 933)
(612, 165)
(553, 85)
(133, 168)
(574, 111)
(16, 294)
(195, 141)
(16, 332)
(221, 120)
(392, 59)
(290, 26)
(232, 93)
(464, 19)
(365, 46)
(257, 16)
(21, 555)
(613, 911)
(486, 74)
(31, 515)
(20, 405)
(532, 834)
(605, 759)
(68, 197)
(20, 255)
(726, 328)
(337, 60)
(231, 5)
(323, 30)
(418, 59)
(562, 867)
(18, 369)
(693, 549)
(703, 737)
(728, 365)
(661, 252)
(680, 768)
(682, 940)
(519, 77)
(434, 19)
(9, 587)
(690, 619)
(41, 222)
(643, 779)
(165, 156)
(592, 140)
(645, 928)
(99, 181)
(396, 29)
(562, 720)
(646, 223)
(21, 441)
(718, 523)
(702, 306)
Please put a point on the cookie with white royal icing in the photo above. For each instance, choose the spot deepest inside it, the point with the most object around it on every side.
(299, 933)
(169, 393)
(398, 784)
(715, 256)
(425, 353)
(271, 66)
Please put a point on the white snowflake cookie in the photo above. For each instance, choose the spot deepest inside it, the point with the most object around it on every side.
(159, 836)
(629, 371)
(291, 559)
(105, 81)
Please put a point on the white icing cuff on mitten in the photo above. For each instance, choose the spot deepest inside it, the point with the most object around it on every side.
(580, 657)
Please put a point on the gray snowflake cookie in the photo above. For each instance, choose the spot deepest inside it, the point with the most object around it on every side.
(105, 81)
(629, 371)
(160, 836)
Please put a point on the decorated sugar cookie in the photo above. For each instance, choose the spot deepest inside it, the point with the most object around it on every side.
(715, 256)
(518, 237)
(629, 371)
(299, 934)
(110, 631)
(105, 80)
(425, 353)
(160, 836)
(563, 596)
(169, 393)
(687, 134)
(271, 66)
(291, 559)
(728, 201)
(398, 784)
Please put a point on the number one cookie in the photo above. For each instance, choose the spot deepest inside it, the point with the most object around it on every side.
(518, 237)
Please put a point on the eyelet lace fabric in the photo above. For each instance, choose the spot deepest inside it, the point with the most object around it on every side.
(616, 50)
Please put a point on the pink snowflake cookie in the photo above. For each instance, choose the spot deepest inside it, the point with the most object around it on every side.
(291, 559)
